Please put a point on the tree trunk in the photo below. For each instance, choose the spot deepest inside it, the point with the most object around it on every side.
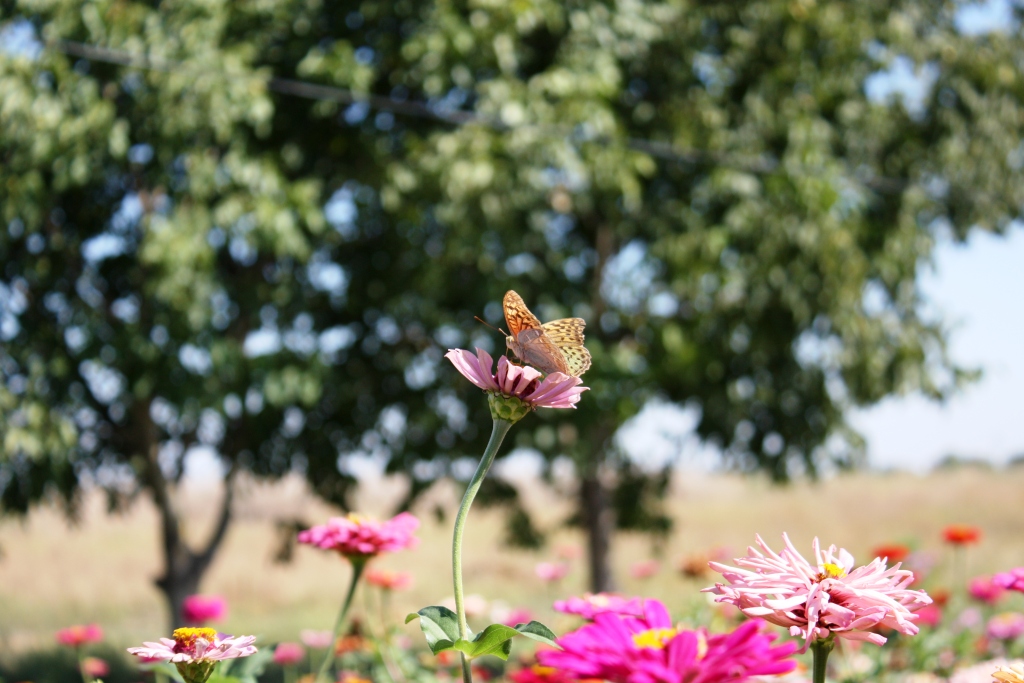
(599, 522)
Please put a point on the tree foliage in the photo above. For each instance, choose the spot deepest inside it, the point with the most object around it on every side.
(258, 225)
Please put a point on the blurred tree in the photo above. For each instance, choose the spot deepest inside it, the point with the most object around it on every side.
(199, 251)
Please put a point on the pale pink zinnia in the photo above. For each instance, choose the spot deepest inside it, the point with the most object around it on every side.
(557, 390)
(591, 604)
(644, 569)
(287, 654)
(194, 651)
(202, 609)
(316, 639)
(360, 538)
(1012, 580)
(829, 597)
(388, 580)
(551, 571)
(1005, 626)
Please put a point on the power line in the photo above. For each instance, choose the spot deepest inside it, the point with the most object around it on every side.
(316, 91)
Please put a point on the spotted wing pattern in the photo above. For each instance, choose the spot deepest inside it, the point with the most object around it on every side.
(556, 346)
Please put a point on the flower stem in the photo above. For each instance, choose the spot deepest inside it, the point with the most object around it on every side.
(821, 650)
(357, 571)
(498, 433)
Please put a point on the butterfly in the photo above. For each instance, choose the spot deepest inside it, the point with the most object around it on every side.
(556, 346)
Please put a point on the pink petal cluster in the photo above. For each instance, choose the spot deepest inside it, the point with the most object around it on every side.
(551, 571)
(557, 390)
(986, 590)
(1005, 626)
(829, 597)
(358, 537)
(94, 667)
(1012, 580)
(388, 580)
(287, 654)
(592, 604)
(201, 609)
(188, 646)
(649, 649)
(76, 636)
(316, 639)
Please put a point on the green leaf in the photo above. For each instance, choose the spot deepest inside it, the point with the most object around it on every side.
(495, 640)
(539, 632)
(440, 626)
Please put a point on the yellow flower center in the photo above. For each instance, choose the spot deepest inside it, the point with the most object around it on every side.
(355, 518)
(542, 670)
(185, 638)
(655, 638)
(830, 570)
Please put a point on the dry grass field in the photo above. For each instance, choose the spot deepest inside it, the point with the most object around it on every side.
(53, 574)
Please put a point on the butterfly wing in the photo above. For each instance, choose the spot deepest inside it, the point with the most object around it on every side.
(567, 335)
(528, 339)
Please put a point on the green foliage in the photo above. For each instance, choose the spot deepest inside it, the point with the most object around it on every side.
(707, 183)
(440, 626)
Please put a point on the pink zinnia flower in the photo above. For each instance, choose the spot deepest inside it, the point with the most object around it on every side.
(644, 569)
(557, 390)
(388, 580)
(76, 636)
(195, 651)
(94, 667)
(316, 639)
(827, 598)
(520, 615)
(592, 604)
(360, 538)
(986, 590)
(650, 649)
(541, 674)
(201, 609)
(1012, 580)
(287, 654)
(551, 571)
(1005, 626)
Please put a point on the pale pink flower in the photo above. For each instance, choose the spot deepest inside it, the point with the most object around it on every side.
(644, 569)
(316, 639)
(557, 390)
(287, 654)
(569, 552)
(196, 646)
(76, 636)
(517, 616)
(551, 571)
(202, 609)
(591, 604)
(1012, 580)
(1006, 626)
(388, 580)
(827, 598)
(360, 538)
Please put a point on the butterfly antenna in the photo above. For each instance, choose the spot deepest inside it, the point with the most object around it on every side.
(496, 329)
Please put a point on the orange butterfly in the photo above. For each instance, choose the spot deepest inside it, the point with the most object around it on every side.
(556, 346)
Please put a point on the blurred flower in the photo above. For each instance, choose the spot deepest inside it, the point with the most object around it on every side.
(969, 619)
(76, 636)
(649, 649)
(961, 534)
(696, 566)
(475, 605)
(891, 552)
(316, 639)
(551, 571)
(1012, 580)
(541, 674)
(201, 609)
(644, 569)
(982, 672)
(568, 552)
(1005, 626)
(517, 616)
(524, 383)
(986, 590)
(388, 580)
(1012, 672)
(827, 598)
(360, 538)
(929, 615)
(350, 643)
(94, 667)
(289, 653)
(939, 596)
(592, 604)
(195, 651)
(482, 673)
(352, 677)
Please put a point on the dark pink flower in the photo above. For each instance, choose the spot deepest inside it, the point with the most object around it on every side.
(358, 537)
(650, 649)
(202, 609)
(592, 604)
(557, 390)
(541, 674)
(986, 590)
(1012, 580)
(929, 615)
(287, 654)
(76, 636)
(816, 601)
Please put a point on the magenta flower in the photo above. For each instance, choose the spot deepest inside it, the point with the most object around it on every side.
(201, 609)
(195, 651)
(557, 390)
(1012, 580)
(287, 654)
(76, 636)
(592, 604)
(359, 538)
(551, 571)
(986, 590)
(650, 649)
(827, 598)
